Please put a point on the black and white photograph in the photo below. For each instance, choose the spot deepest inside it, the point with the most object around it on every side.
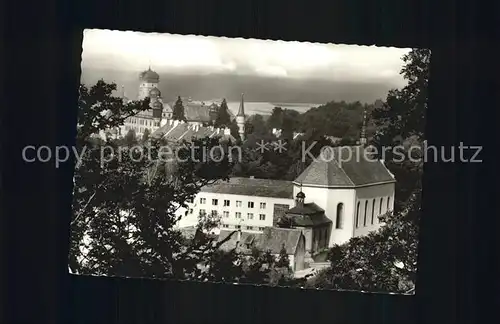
(249, 161)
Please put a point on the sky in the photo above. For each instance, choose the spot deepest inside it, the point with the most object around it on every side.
(191, 54)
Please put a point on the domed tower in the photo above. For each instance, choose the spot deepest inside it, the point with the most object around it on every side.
(149, 80)
(240, 119)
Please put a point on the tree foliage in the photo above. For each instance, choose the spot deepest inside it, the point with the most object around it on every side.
(126, 201)
(223, 119)
(145, 135)
(178, 110)
(126, 198)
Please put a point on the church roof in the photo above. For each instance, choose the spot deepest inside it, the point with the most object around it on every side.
(357, 171)
(272, 239)
(306, 209)
(308, 215)
(252, 187)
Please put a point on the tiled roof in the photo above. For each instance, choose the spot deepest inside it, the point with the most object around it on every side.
(196, 112)
(252, 187)
(307, 209)
(307, 215)
(272, 239)
(356, 171)
(185, 131)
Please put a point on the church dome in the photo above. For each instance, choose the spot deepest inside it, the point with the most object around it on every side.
(149, 76)
(154, 92)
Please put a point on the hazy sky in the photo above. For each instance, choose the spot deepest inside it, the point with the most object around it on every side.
(191, 54)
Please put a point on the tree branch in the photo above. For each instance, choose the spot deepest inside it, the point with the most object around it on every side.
(84, 208)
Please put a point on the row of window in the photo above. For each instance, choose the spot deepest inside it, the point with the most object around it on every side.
(225, 214)
(365, 218)
(227, 203)
(250, 228)
(140, 121)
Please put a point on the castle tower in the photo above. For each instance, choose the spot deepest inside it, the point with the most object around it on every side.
(149, 80)
(362, 137)
(240, 119)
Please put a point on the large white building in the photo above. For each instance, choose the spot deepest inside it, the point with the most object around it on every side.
(330, 202)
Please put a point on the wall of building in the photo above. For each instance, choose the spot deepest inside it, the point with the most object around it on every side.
(342, 233)
(328, 199)
(369, 195)
(145, 88)
(229, 219)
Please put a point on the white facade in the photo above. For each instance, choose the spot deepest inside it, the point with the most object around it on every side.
(343, 202)
(251, 213)
(378, 199)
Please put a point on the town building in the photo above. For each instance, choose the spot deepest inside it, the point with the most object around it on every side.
(272, 240)
(197, 113)
(334, 201)
(153, 118)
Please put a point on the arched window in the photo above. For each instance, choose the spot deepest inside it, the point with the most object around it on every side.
(380, 206)
(340, 216)
(366, 209)
(373, 211)
(357, 215)
(388, 203)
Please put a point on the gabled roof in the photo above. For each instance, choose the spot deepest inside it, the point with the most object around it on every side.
(252, 187)
(353, 172)
(272, 239)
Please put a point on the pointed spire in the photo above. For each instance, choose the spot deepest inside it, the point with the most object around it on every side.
(362, 137)
(241, 111)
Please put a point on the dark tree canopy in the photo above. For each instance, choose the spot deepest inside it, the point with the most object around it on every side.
(146, 134)
(223, 118)
(178, 110)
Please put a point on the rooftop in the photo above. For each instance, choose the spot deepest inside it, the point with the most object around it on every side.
(308, 215)
(177, 131)
(253, 187)
(272, 239)
(357, 171)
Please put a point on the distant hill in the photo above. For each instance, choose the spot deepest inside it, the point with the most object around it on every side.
(276, 90)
